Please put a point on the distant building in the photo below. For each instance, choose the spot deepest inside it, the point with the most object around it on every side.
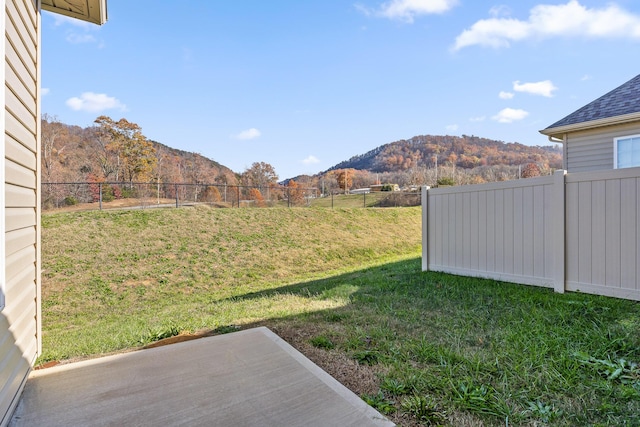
(385, 187)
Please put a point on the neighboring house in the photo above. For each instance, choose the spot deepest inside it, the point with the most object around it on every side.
(604, 134)
(20, 318)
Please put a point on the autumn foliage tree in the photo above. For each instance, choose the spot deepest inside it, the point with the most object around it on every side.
(530, 170)
(212, 194)
(135, 155)
(295, 193)
(53, 134)
(256, 196)
(345, 179)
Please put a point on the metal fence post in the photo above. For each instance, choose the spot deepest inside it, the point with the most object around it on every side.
(288, 198)
(176, 187)
(364, 200)
(100, 196)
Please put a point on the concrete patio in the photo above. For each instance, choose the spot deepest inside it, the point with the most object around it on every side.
(247, 378)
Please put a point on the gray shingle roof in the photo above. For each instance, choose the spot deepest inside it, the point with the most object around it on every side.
(622, 100)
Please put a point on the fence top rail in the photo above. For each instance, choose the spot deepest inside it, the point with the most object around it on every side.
(603, 175)
(201, 184)
(474, 188)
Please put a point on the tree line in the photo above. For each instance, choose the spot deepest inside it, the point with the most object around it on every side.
(118, 151)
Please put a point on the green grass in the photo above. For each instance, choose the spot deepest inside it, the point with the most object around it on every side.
(443, 350)
(350, 200)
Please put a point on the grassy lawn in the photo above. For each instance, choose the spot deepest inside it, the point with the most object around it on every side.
(344, 286)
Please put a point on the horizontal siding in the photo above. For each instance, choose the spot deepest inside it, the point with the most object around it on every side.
(18, 322)
(20, 196)
(26, 74)
(19, 175)
(17, 86)
(19, 132)
(19, 239)
(593, 149)
(19, 154)
(17, 218)
(21, 111)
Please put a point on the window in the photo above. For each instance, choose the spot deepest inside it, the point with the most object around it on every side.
(626, 152)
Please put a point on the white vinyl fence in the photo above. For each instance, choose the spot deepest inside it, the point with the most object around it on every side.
(574, 232)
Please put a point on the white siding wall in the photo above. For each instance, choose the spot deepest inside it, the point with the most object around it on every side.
(19, 321)
(593, 149)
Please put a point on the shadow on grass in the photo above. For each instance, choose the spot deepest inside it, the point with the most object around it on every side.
(487, 349)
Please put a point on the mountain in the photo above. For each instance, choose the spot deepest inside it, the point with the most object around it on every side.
(75, 154)
(464, 152)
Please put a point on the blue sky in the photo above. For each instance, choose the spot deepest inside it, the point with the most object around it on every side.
(305, 84)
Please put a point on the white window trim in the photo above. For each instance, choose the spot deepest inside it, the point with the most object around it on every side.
(615, 147)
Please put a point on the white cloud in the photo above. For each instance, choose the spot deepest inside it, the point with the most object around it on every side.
(478, 119)
(248, 134)
(406, 10)
(509, 115)
(44, 91)
(543, 88)
(564, 20)
(452, 127)
(311, 160)
(585, 78)
(95, 103)
(505, 95)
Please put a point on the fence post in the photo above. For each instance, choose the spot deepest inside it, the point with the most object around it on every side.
(559, 218)
(331, 199)
(100, 196)
(425, 228)
(176, 187)
(238, 194)
(288, 198)
(364, 200)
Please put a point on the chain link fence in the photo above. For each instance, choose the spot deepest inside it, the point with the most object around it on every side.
(72, 196)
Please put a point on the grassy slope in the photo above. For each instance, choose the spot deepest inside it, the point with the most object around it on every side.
(345, 287)
(109, 276)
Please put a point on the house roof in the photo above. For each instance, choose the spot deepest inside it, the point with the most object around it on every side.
(94, 11)
(620, 105)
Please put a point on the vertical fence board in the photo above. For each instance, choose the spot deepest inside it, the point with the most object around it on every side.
(481, 229)
(538, 230)
(612, 240)
(491, 230)
(436, 223)
(499, 224)
(459, 236)
(628, 237)
(467, 213)
(518, 237)
(573, 234)
(509, 219)
(598, 232)
(584, 232)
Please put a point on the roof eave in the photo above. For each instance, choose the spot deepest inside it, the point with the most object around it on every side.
(559, 131)
(94, 11)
